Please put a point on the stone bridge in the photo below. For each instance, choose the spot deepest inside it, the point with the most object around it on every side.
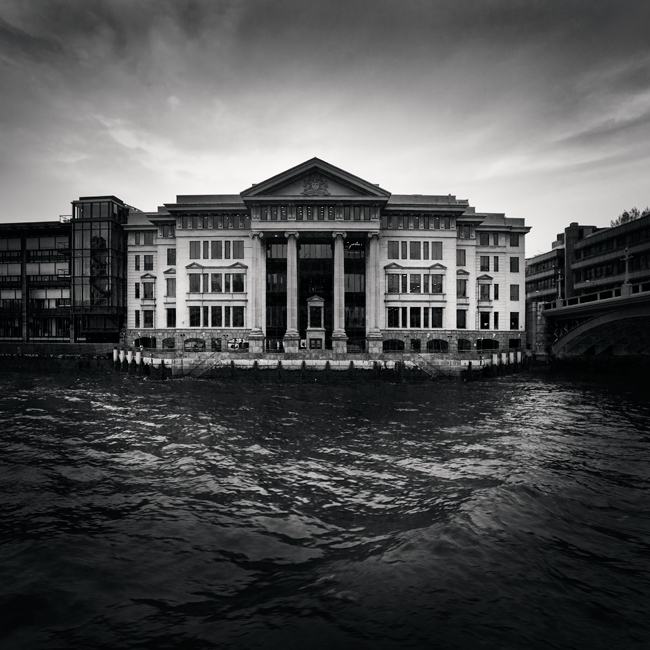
(614, 322)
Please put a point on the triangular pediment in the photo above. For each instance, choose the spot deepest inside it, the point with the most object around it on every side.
(462, 272)
(147, 276)
(393, 266)
(194, 265)
(438, 267)
(315, 179)
(484, 278)
(169, 272)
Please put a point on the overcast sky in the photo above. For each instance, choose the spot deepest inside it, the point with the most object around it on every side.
(536, 108)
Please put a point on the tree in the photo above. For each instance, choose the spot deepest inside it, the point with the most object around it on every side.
(629, 215)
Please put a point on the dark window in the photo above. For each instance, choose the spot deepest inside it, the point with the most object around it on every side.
(425, 250)
(171, 317)
(484, 291)
(238, 250)
(437, 345)
(514, 320)
(415, 250)
(195, 282)
(484, 238)
(415, 282)
(171, 287)
(496, 320)
(216, 283)
(485, 320)
(460, 257)
(226, 282)
(226, 250)
(393, 250)
(148, 262)
(206, 250)
(404, 250)
(514, 292)
(514, 265)
(514, 343)
(216, 316)
(171, 256)
(147, 290)
(216, 250)
(137, 289)
(436, 316)
(514, 240)
(393, 345)
(416, 317)
(436, 250)
(195, 317)
(238, 283)
(148, 318)
(137, 318)
(392, 281)
(436, 283)
(464, 345)
(495, 238)
(195, 250)
(496, 292)
(496, 263)
(226, 316)
(404, 283)
(393, 317)
(205, 316)
(136, 260)
(148, 239)
(461, 288)
(485, 262)
(206, 283)
(461, 319)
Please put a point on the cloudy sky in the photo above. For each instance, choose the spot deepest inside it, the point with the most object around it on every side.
(536, 108)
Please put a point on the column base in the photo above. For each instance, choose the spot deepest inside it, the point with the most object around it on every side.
(626, 290)
(375, 341)
(339, 341)
(291, 341)
(256, 341)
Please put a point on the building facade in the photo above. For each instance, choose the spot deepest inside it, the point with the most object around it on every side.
(313, 258)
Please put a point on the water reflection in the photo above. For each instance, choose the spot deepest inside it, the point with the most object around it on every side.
(509, 514)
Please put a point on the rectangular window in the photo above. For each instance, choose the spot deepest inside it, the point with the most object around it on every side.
(136, 260)
(484, 291)
(495, 238)
(425, 317)
(238, 282)
(148, 262)
(137, 289)
(425, 250)
(216, 250)
(415, 250)
(206, 250)
(436, 316)
(404, 250)
(136, 238)
(238, 250)
(415, 282)
(393, 317)
(195, 317)
(392, 282)
(496, 263)
(170, 286)
(404, 283)
(425, 283)
(415, 318)
(404, 321)
(496, 292)
(195, 282)
(514, 320)
(206, 312)
(216, 316)
(148, 318)
(148, 239)
(226, 282)
(496, 320)
(206, 283)
(485, 320)
(238, 317)
(485, 263)
(514, 240)
(461, 288)
(436, 283)
(514, 292)
(215, 285)
(195, 250)
(171, 257)
(171, 317)
(393, 250)
(226, 316)
(137, 318)
(514, 265)
(226, 250)
(147, 290)
(484, 239)
(461, 319)
(436, 250)
(460, 257)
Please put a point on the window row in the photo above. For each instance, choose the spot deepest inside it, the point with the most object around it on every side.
(484, 320)
(484, 263)
(414, 250)
(148, 290)
(216, 282)
(217, 250)
(416, 222)
(414, 283)
(216, 316)
(144, 238)
(494, 239)
(148, 262)
(414, 317)
(222, 221)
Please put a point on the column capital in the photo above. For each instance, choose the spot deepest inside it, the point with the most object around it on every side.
(339, 233)
(257, 234)
(374, 234)
(292, 233)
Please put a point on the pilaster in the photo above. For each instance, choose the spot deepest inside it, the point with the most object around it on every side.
(339, 337)
(292, 337)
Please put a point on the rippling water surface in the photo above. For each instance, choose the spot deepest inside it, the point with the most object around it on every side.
(513, 513)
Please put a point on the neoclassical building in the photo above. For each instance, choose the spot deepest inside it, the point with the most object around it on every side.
(316, 258)
(313, 258)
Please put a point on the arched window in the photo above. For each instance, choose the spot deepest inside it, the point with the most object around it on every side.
(169, 344)
(464, 345)
(194, 345)
(487, 344)
(145, 342)
(393, 345)
(437, 345)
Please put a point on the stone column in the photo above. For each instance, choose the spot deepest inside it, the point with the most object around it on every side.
(292, 337)
(373, 297)
(339, 337)
(258, 282)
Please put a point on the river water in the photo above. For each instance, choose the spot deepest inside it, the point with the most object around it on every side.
(510, 513)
